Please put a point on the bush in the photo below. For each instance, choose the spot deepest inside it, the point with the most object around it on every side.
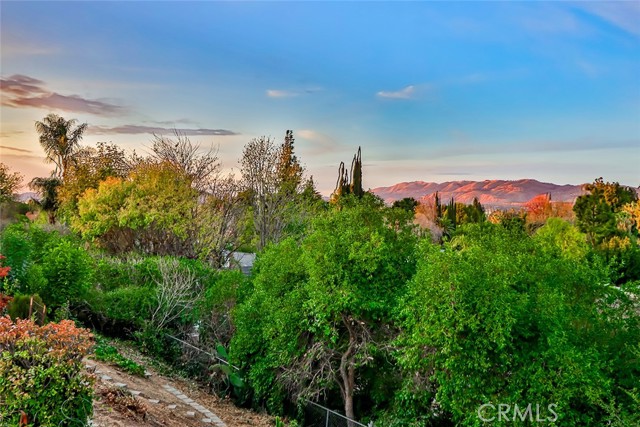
(24, 247)
(112, 273)
(41, 373)
(67, 269)
(17, 248)
(213, 311)
(130, 305)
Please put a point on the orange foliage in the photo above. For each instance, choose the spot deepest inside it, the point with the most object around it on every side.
(3, 270)
(539, 208)
(63, 339)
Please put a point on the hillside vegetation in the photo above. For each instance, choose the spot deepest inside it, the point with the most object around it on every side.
(508, 316)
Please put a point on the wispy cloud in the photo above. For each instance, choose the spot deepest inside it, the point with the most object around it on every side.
(24, 91)
(173, 122)
(10, 134)
(11, 157)
(320, 143)
(404, 93)
(623, 14)
(287, 93)
(277, 93)
(138, 129)
(20, 150)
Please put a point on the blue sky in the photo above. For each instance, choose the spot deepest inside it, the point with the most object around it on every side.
(432, 91)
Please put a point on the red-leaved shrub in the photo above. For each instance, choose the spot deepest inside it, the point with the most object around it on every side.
(41, 373)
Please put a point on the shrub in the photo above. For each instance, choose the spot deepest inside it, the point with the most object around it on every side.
(130, 305)
(24, 247)
(213, 311)
(67, 269)
(18, 249)
(41, 373)
(112, 273)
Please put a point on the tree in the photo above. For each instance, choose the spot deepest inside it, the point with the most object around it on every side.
(539, 208)
(273, 180)
(221, 222)
(498, 317)
(59, 139)
(202, 169)
(475, 212)
(9, 183)
(596, 211)
(350, 183)
(408, 204)
(318, 319)
(150, 211)
(289, 170)
(88, 168)
(47, 188)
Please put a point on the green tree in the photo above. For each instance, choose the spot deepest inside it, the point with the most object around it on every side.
(318, 319)
(9, 183)
(560, 236)
(289, 170)
(47, 189)
(275, 186)
(596, 211)
(59, 139)
(350, 183)
(496, 317)
(89, 167)
(150, 211)
(408, 204)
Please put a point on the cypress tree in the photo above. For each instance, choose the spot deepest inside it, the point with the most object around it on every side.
(356, 175)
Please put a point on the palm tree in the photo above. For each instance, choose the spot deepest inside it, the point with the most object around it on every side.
(60, 140)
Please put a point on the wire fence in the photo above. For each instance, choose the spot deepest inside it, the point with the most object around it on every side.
(315, 415)
(318, 416)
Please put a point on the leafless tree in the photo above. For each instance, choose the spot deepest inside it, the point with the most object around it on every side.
(273, 179)
(176, 291)
(202, 168)
(221, 220)
(216, 218)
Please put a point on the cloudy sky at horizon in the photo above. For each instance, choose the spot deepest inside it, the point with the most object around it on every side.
(432, 91)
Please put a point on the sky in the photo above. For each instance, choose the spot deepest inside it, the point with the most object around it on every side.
(431, 91)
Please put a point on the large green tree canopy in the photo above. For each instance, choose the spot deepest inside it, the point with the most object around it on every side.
(319, 315)
(497, 317)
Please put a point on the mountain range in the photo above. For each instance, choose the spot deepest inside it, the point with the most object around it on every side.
(491, 193)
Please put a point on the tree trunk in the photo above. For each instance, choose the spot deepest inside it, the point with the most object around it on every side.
(348, 372)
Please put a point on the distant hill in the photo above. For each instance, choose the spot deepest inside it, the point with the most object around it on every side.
(491, 193)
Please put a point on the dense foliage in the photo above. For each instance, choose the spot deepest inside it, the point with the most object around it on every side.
(317, 322)
(349, 303)
(498, 317)
(42, 374)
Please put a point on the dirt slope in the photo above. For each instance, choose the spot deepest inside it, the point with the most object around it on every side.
(162, 401)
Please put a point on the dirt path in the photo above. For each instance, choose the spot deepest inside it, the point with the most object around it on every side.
(124, 400)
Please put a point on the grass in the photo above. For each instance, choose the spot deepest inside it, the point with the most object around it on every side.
(105, 352)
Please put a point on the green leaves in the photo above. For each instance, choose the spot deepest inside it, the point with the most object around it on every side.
(504, 318)
(325, 302)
